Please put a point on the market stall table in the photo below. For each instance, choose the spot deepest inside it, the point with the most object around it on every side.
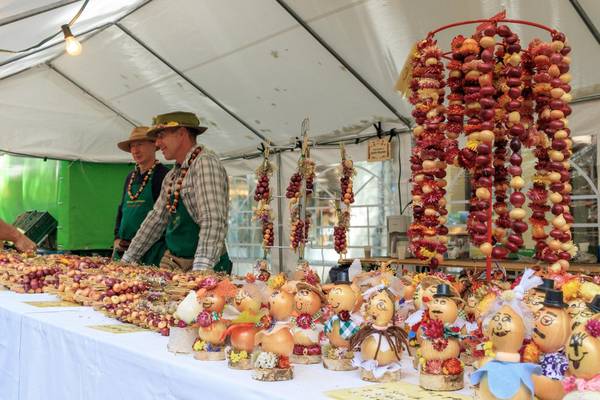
(56, 353)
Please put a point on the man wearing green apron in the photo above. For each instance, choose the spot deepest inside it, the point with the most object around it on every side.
(193, 206)
(140, 192)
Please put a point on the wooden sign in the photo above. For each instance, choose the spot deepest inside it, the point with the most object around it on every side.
(392, 391)
(379, 150)
(48, 304)
(117, 328)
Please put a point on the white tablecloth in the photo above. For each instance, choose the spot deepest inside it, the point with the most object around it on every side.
(52, 353)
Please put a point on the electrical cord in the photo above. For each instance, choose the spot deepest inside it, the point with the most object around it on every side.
(49, 38)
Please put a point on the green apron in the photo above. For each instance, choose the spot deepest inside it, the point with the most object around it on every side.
(182, 238)
(134, 213)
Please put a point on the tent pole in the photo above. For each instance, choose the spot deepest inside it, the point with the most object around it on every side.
(340, 59)
(586, 19)
(191, 82)
(36, 11)
(279, 212)
(93, 96)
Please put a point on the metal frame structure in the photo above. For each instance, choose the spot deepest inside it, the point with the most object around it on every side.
(586, 19)
(346, 65)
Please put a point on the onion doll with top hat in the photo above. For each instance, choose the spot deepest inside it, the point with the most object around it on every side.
(343, 298)
(440, 367)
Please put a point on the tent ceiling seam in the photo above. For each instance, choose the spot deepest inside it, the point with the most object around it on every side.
(586, 19)
(92, 95)
(340, 59)
(192, 83)
(36, 11)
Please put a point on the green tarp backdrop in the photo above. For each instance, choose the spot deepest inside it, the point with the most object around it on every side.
(82, 196)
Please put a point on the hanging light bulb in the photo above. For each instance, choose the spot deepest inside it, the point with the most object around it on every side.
(71, 43)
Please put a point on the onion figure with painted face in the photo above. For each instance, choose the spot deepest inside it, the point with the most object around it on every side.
(440, 368)
(508, 322)
(275, 343)
(583, 353)
(550, 334)
(307, 323)
(379, 340)
(342, 299)
(212, 296)
(249, 319)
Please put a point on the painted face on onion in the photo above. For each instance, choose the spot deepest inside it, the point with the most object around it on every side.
(583, 352)
(506, 330)
(443, 309)
(380, 309)
(212, 302)
(341, 297)
(307, 301)
(552, 329)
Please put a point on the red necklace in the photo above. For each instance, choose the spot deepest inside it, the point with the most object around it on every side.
(172, 207)
(144, 181)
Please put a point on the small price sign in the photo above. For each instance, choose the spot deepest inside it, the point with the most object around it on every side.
(379, 150)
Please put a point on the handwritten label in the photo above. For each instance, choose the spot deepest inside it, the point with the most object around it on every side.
(117, 328)
(392, 391)
(379, 150)
(47, 304)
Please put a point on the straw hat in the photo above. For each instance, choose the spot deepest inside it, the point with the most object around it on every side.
(138, 133)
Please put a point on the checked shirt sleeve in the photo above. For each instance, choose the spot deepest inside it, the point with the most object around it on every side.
(210, 208)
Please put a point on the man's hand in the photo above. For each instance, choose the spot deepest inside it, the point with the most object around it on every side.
(116, 244)
(24, 244)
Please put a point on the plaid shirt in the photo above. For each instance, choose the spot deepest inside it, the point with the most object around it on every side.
(347, 328)
(205, 194)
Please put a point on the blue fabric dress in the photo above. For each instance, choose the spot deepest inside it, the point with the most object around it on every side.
(505, 378)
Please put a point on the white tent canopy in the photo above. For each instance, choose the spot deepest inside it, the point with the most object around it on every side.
(252, 69)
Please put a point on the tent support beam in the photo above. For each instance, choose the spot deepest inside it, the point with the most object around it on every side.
(192, 83)
(95, 30)
(341, 60)
(36, 11)
(585, 99)
(586, 19)
(93, 96)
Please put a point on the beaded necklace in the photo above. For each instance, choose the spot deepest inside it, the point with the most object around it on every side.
(172, 207)
(144, 181)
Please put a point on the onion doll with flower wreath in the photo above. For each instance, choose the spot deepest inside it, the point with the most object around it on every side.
(379, 340)
(440, 368)
(274, 344)
(423, 294)
(212, 296)
(343, 299)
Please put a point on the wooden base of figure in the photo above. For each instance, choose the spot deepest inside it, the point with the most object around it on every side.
(441, 382)
(242, 364)
(339, 364)
(273, 374)
(209, 355)
(305, 359)
(390, 376)
(181, 340)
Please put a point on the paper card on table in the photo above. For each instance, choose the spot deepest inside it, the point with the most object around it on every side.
(117, 328)
(392, 391)
(46, 304)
